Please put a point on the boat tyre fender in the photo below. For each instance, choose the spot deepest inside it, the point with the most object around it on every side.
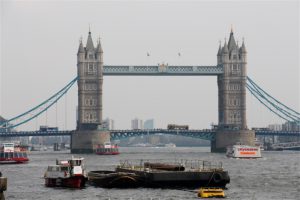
(123, 182)
(217, 178)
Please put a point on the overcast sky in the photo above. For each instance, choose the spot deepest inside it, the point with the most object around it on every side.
(39, 43)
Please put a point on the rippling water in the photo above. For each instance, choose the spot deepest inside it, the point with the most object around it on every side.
(275, 176)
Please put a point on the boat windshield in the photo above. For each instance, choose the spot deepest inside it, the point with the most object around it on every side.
(76, 162)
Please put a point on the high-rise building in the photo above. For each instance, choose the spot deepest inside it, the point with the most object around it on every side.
(136, 124)
(109, 124)
(149, 124)
(275, 127)
(290, 126)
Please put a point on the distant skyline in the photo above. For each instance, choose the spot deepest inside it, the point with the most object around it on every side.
(39, 43)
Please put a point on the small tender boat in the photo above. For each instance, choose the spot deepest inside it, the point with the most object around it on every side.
(206, 192)
(107, 149)
(243, 151)
(170, 145)
(13, 154)
(69, 173)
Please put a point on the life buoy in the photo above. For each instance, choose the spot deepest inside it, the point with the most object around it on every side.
(217, 178)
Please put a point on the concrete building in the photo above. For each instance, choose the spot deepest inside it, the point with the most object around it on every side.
(149, 124)
(137, 124)
(291, 126)
(109, 124)
(275, 127)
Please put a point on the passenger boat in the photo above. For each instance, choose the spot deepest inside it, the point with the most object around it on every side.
(188, 174)
(243, 151)
(13, 154)
(67, 173)
(107, 149)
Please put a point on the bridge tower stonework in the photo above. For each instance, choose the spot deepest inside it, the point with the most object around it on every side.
(232, 126)
(89, 132)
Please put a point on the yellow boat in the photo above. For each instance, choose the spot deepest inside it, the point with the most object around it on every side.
(206, 192)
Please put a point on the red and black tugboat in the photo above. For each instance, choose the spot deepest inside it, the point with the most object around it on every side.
(107, 149)
(70, 173)
(13, 154)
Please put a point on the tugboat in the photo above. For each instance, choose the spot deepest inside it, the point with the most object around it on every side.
(67, 173)
(107, 149)
(243, 151)
(13, 154)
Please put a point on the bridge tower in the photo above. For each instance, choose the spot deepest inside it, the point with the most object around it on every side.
(89, 132)
(232, 127)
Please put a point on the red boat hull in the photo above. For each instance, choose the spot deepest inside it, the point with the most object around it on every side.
(72, 182)
(107, 153)
(13, 160)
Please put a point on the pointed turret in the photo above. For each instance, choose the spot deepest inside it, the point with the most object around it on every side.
(231, 42)
(89, 44)
(99, 47)
(220, 50)
(243, 48)
(225, 48)
(80, 49)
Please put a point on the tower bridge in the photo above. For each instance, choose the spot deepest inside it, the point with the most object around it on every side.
(232, 80)
(231, 72)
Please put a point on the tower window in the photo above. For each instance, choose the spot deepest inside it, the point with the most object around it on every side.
(91, 56)
(91, 69)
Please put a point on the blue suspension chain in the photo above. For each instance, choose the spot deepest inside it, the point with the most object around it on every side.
(285, 112)
(255, 95)
(253, 83)
(260, 94)
(54, 97)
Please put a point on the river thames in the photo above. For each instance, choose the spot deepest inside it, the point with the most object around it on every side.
(275, 176)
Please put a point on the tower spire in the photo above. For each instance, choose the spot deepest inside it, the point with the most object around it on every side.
(89, 43)
(231, 42)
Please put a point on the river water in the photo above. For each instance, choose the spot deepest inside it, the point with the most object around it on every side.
(275, 176)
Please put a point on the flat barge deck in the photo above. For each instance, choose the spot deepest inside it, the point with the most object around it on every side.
(162, 175)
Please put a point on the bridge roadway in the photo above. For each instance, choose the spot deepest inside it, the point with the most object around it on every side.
(206, 134)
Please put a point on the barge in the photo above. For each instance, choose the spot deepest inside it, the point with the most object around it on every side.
(162, 175)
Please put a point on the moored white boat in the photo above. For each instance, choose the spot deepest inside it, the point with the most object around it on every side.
(67, 173)
(243, 151)
(13, 154)
(107, 149)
